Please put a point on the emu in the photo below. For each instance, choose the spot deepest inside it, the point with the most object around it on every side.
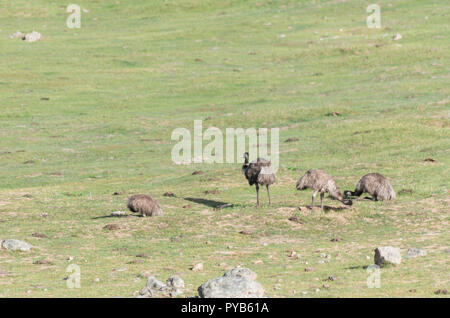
(320, 181)
(374, 184)
(259, 172)
(144, 204)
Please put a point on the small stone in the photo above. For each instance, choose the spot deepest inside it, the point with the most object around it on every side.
(39, 235)
(175, 282)
(154, 284)
(296, 219)
(441, 292)
(111, 227)
(197, 267)
(69, 259)
(118, 213)
(397, 37)
(415, 252)
(241, 272)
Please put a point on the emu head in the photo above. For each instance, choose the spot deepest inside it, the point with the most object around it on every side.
(301, 183)
(246, 157)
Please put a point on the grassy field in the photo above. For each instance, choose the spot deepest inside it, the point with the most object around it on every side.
(88, 112)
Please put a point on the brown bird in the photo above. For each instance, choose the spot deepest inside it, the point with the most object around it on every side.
(259, 172)
(320, 181)
(374, 184)
(144, 204)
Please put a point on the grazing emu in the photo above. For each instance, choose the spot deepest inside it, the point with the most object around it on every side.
(258, 172)
(374, 184)
(322, 182)
(144, 204)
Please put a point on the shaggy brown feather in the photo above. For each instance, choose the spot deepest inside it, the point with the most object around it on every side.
(321, 182)
(374, 184)
(144, 204)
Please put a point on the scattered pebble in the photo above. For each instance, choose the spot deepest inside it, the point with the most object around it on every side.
(197, 267)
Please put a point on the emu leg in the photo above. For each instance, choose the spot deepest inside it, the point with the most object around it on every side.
(313, 197)
(257, 194)
(268, 194)
(321, 201)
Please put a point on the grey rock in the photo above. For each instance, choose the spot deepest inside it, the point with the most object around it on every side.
(154, 284)
(118, 213)
(387, 255)
(236, 283)
(175, 282)
(415, 252)
(241, 272)
(16, 245)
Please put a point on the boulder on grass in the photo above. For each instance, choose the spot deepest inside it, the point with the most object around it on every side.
(387, 255)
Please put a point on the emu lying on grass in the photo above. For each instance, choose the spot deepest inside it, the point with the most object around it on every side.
(374, 184)
(144, 204)
(320, 181)
(258, 172)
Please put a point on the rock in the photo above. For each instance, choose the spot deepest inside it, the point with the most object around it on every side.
(111, 227)
(238, 282)
(397, 37)
(296, 219)
(17, 35)
(197, 267)
(241, 272)
(16, 245)
(387, 255)
(231, 287)
(441, 292)
(39, 235)
(175, 282)
(173, 287)
(154, 284)
(118, 213)
(32, 37)
(415, 252)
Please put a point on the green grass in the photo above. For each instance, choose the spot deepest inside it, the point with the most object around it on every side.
(120, 84)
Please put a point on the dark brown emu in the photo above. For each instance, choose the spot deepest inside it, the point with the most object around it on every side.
(320, 181)
(374, 184)
(144, 204)
(259, 172)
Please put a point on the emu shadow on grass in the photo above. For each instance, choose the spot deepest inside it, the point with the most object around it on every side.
(209, 203)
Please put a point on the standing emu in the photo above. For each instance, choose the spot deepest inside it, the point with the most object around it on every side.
(258, 172)
(374, 184)
(320, 181)
(144, 204)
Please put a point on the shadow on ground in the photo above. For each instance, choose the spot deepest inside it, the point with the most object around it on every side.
(210, 203)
